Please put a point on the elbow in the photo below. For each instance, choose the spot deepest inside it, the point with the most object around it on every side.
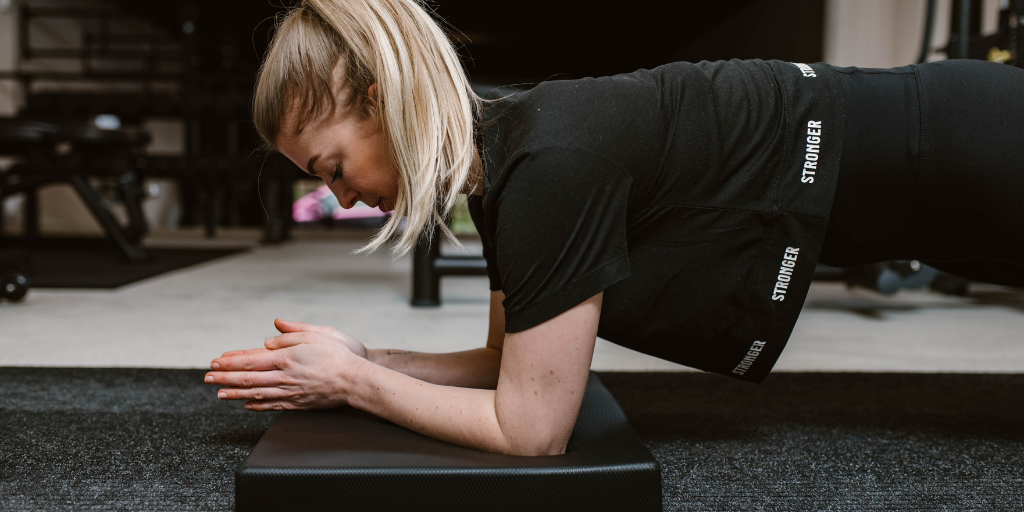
(540, 445)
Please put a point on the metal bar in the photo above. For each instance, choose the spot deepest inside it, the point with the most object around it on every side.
(131, 190)
(426, 283)
(69, 53)
(926, 43)
(964, 41)
(46, 75)
(31, 210)
(23, 30)
(428, 267)
(460, 266)
(72, 12)
(132, 252)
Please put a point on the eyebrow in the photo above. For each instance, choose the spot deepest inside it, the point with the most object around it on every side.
(309, 165)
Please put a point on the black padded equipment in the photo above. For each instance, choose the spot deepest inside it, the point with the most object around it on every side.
(345, 459)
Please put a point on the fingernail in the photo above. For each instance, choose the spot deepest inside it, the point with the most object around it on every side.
(215, 366)
(247, 406)
(209, 378)
(222, 395)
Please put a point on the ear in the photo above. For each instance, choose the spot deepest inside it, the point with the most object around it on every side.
(371, 96)
(372, 105)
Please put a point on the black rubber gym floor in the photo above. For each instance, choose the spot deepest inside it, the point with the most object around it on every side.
(94, 263)
(129, 439)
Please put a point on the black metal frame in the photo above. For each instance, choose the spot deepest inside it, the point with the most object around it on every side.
(428, 267)
(127, 239)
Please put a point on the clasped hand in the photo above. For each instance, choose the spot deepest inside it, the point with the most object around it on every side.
(306, 367)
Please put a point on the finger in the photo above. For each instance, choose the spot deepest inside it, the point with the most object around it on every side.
(289, 339)
(257, 393)
(246, 379)
(276, 405)
(286, 326)
(258, 361)
(240, 352)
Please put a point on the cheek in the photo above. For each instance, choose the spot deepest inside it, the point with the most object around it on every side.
(383, 167)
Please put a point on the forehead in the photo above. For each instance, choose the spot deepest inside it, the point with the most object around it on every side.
(298, 142)
(302, 121)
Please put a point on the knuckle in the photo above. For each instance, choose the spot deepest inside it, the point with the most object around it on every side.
(246, 381)
(247, 363)
(257, 394)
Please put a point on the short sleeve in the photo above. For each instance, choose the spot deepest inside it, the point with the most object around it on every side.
(560, 232)
(476, 211)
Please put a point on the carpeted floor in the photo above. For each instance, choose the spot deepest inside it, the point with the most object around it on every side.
(121, 439)
(853, 441)
(94, 263)
(124, 439)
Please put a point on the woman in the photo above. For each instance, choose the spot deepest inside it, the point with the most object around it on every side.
(678, 211)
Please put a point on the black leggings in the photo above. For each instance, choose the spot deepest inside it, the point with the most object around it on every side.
(933, 170)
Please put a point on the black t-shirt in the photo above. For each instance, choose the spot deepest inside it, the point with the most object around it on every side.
(685, 193)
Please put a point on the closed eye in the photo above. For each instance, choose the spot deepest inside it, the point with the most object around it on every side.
(337, 174)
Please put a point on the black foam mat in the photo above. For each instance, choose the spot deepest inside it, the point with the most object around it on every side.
(94, 263)
(347, 459)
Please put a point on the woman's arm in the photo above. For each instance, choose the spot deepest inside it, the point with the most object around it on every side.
(476, 368)
(543, 376)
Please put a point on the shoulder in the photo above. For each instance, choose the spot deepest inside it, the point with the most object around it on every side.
(554, 170)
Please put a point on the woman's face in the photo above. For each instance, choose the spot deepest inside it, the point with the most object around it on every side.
(349, 152)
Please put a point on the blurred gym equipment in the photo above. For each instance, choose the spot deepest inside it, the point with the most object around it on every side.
(88, 152)
(187, 61)
(14, 282)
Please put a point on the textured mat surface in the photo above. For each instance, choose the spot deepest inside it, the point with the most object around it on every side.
(832, 441)
(82, 439)
(93, 263)
(74, 439)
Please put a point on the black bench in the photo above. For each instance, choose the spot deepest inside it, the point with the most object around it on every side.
(344, 459)
(91, 152)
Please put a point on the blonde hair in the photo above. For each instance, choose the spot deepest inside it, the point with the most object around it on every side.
(423, 99)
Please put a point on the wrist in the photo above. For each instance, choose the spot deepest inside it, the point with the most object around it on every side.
(362, 384)
(373, 355)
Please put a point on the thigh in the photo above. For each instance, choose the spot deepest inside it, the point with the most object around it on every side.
(971, 195)
(878, 168)
(942, 182)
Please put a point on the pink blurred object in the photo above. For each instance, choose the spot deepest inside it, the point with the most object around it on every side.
(321, 203)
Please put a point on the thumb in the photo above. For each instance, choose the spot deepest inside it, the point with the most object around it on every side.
(284, 326)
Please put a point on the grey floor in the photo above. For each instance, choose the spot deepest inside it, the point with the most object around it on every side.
(186, 318)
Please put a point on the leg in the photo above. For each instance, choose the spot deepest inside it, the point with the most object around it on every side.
(972, 161)
(933, 169)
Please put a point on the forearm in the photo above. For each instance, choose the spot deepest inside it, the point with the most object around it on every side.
(457, 415)
(476, 368)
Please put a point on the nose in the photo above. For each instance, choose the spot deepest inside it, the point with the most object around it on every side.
(346, 196)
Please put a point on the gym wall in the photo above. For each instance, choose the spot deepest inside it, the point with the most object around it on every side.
(888, 33)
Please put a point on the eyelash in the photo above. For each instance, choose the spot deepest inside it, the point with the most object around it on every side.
(337, 174)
